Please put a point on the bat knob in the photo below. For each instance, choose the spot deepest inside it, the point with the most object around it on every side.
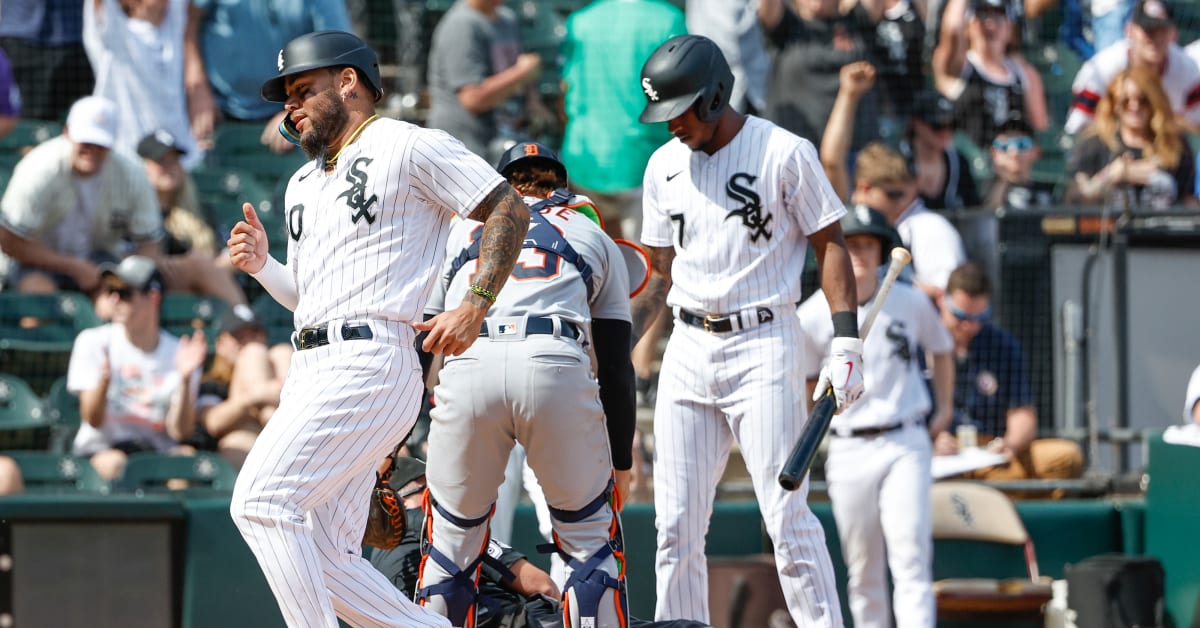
(901, 256)
(789, 483)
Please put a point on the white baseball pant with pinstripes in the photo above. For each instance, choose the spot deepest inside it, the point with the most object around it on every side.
(301, 498)
(715, 388)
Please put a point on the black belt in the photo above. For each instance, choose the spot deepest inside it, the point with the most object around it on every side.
(538, 325)
(719, 324)
(866, 432)
(313, 337)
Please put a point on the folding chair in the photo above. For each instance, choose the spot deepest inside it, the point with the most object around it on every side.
(973, 511)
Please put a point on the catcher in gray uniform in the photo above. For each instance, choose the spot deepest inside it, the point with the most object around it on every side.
(530, 379)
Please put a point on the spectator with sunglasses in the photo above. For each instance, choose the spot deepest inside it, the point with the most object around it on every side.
(884, 181)
(1014, 153)
(136, 383)
(992, 390)
(943, 174)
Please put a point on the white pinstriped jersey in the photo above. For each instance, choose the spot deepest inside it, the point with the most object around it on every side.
(739, 218)
(892, 384)
(365, 241)
(1180, 80)
(543, 283)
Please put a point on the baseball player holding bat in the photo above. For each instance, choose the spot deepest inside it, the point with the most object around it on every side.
(877, 467)
(731, 205)
(530, 379)
(367, 222)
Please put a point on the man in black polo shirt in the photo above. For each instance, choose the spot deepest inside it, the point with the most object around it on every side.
(992, 389)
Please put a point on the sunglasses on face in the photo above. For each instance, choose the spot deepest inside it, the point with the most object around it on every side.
(894, 195)
(124, 294)
(981, 317)
(1141, 101)
(1004, 144)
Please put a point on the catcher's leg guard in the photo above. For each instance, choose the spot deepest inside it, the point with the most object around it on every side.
(584, 591)
(460, 591)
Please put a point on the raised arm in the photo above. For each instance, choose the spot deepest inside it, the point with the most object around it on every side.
(856, 79)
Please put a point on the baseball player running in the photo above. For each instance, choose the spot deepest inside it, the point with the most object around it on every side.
(367, 224)
(530, 379)
(730, 206)
(879, 453)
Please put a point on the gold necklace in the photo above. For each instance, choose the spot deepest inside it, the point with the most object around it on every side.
(332, 161)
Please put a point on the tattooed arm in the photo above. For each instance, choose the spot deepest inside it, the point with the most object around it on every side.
(646, 305)
(505, 221)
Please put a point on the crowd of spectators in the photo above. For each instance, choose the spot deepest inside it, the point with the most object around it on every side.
(897, 94)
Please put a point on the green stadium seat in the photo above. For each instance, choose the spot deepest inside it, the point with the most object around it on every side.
(37, 332)
(63, 410)
(279, 321)
(27, 134)
(977, 157)
(183, 313)
(239, 145)
(155, 472)
(222, 191)
(24, 423)
(45, 472)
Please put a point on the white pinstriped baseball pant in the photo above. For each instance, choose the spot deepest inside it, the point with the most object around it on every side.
(713, 389)
(301, 498)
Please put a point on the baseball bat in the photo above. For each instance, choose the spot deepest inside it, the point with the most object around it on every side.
(793, 471)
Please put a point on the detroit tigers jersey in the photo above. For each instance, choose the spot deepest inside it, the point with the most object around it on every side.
(1180, 80)
(907, 323)
(739, 218)
(365, 241)
(544, 281)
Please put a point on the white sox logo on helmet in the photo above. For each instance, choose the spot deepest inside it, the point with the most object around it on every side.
(279, 61)
(651, 93)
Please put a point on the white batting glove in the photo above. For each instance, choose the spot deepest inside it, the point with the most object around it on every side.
(844, 372)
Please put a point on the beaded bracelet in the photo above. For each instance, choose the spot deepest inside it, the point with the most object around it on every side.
(483, 292)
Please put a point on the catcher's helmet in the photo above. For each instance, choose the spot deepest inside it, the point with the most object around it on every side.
(684, 71)
(531, 154)
(324, 49)
(862, 220)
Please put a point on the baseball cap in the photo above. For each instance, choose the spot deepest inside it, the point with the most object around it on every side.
(933, 108)
(406, 470)
(135, 272)
(236, 318)
(1152, 14)
(92, 120)
(157, 144)
(1015, 125)
(993, 5)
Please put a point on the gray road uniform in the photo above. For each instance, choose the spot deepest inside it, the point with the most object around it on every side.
(529, 378)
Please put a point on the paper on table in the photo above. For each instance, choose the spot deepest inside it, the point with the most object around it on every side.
(965, 460)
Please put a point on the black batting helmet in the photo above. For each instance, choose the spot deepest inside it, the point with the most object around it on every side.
(862, 220)
(684, 71)
(531, 154)
(324, 49)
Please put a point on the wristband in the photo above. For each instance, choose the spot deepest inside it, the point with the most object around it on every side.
(483, 292)
(845, 324)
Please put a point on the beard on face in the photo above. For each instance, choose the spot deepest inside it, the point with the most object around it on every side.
(327, 116)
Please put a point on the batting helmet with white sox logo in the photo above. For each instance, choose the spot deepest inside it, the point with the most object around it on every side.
(324, 49)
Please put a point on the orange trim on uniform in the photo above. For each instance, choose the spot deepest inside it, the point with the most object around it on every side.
(636, 290)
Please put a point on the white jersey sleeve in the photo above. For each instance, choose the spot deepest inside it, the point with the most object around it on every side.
(656, 222)
(812, 198)
(1091, 83)
(931, 332)
(935, 244)
(448, 174)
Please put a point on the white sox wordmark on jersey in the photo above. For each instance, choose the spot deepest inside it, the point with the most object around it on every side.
(364, 245)
(738, 221)
(531, 381)
(878, 463)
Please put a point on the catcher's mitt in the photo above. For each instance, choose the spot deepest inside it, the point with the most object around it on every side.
(386, 521)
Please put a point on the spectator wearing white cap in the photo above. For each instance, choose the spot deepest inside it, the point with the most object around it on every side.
(72, 201)
(136, 382)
